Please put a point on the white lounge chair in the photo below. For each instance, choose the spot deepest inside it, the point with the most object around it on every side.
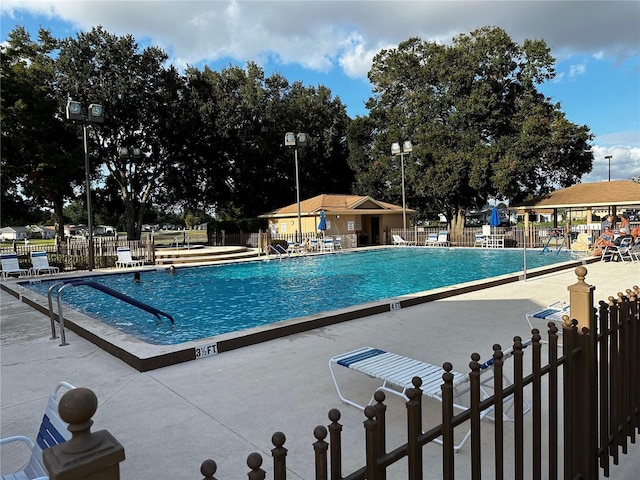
(40, 264)
(337, 243)
(125, 260)
(398, 240)
(432, 240)
(11, 266)
(551, 313)
(294, 248)
(443, 239)
(481, 240)
(397, 372)
(53, 430)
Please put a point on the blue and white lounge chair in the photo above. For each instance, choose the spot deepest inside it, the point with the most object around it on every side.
(40, 264)
(397, 371)
(432, 240)
(11, 266)
(552, 313)
(53, 430)
(327, 244)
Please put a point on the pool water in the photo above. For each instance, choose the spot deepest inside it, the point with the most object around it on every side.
(212, 300)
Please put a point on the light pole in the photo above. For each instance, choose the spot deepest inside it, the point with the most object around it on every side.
(299, 140)
(95, 114)
(609, 157)
(406, 149)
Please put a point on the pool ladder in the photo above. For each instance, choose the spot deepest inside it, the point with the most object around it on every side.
(97, 286)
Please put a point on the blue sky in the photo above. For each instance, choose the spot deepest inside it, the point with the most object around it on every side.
(329, 42)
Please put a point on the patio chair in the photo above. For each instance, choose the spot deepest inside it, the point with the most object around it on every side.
(398, 240)
(551, 313)
(327, 244)
(125, 260)
(481, 240)
(53, 430)
(337, 243)
(622, 251)
(11, 266)
(397, 371)
(432, 240)
(634, 251)
(443, 239)
(40, 264)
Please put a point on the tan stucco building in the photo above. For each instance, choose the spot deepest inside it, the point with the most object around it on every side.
(362, 217)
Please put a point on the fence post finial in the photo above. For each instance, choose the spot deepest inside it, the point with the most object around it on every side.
(581, 301)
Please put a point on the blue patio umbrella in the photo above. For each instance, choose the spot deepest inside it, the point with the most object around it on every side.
(495, 217)
(323, 222)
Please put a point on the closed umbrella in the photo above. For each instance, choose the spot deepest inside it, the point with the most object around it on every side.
(322, 226)
(495, 217)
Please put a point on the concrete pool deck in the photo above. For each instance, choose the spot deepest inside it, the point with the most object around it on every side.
(227, 406)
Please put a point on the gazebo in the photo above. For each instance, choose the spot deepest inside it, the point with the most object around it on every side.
(616, 195)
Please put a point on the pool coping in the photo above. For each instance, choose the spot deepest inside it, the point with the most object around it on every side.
(145, 357)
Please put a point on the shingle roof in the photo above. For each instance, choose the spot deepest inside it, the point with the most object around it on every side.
(336, 204)
(598, 194)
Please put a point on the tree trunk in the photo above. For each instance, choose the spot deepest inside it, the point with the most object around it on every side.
(131, 220)
(58, 211)
(457, 225)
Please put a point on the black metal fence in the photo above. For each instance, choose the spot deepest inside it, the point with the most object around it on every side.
(593, 385)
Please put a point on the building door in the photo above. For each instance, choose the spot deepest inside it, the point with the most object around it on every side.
(375, 230)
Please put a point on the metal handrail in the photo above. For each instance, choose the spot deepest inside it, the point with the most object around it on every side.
(114, 293)
(121, 296)
(276, 251)
(52, 315)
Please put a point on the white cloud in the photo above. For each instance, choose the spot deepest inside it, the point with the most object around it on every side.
(577, 70)
(356, 59)
(625, 163)
(343, 37)
(314, 33)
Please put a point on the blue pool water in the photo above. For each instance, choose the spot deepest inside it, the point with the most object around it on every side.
(208, 301)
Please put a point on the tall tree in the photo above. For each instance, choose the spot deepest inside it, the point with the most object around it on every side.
(237, 163)
(479, 126)
(39, 168)
(141, 100)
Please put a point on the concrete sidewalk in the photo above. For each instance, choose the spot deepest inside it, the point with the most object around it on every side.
(227, 406)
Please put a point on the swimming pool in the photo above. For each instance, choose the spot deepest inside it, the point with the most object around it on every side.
(217, 299)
